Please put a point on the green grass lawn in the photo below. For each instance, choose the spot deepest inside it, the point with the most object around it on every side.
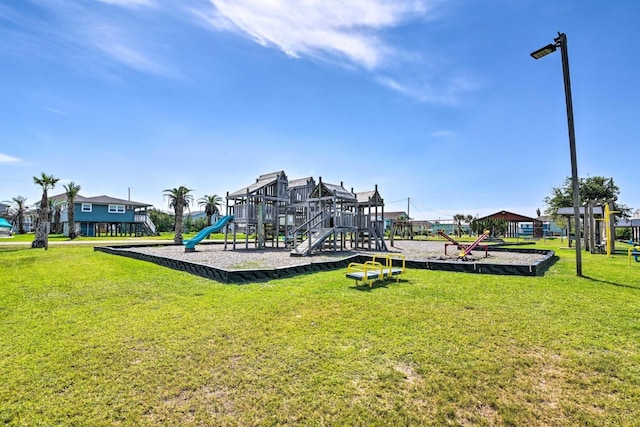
(88, 338)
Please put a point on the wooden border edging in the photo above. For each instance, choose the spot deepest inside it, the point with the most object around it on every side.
(265, 274)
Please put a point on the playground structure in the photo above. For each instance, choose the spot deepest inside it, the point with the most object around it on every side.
(597, 226)
(609, 230)
(464, 247)
(305, 216)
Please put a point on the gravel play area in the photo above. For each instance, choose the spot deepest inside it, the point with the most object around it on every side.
(214, 254)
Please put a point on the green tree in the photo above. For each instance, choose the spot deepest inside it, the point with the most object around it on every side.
(595, 188)
(71, 190)
(199, 224)
(497, 227)
(401, 225)
(47, 182)
(17, 210)
(211, 205)
(163, 221)
(188, 223)
(179, 198)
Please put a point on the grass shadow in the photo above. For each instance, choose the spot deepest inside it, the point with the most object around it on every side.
(606, 282)
(15, 249)
(366, 288)
(379, 284)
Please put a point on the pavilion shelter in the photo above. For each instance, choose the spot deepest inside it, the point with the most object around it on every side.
(513, 223)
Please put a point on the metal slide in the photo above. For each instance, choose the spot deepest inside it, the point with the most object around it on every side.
(191, 243)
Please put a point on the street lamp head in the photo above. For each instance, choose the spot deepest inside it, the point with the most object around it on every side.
(544, 51)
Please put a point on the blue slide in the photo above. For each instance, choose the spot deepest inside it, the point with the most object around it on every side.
(191, 243)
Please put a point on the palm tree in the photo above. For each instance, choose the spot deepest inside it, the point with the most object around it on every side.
(18, 209)
(211, 205)
(46, 182)
(178, 199)
(71, 190)
(401, 224)
(459, 219)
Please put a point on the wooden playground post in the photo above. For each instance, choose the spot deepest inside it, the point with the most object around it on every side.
(260, 227)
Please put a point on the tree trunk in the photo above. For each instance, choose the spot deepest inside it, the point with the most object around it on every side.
(21, 224)
(72, 223)
(179, 223)
(57, 226)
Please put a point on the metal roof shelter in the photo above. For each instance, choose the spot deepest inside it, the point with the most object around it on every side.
(513, 220)
(634, 224)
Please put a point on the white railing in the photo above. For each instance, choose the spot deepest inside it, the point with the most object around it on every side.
(146, 221)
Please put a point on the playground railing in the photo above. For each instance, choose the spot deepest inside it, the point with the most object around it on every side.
(344, 219)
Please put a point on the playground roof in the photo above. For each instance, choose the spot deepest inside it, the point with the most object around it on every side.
(262, 181)
(597, 211)
(302, 182)
(372, 197)
(324, 189)
(4, 223)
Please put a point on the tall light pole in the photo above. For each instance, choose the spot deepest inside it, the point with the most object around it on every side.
(561, 42)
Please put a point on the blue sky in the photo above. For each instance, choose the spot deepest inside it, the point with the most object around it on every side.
(436, 102)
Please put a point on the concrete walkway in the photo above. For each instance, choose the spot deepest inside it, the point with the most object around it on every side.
(91, 242)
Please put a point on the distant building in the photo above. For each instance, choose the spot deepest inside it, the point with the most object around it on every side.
(105, 215)
(447, 226)
(391, 217)
(4, 210)
(549, 227)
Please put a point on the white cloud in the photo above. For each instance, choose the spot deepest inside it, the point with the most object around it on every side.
(91, 39)
(429, 88)
(53, 110)
(129, 3)
(5, 158)
(441, 134)
(333, 28)
(118, 50)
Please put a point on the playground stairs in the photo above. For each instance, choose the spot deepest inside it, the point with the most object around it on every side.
(378, 239)
(149, 227)
(307, 246)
